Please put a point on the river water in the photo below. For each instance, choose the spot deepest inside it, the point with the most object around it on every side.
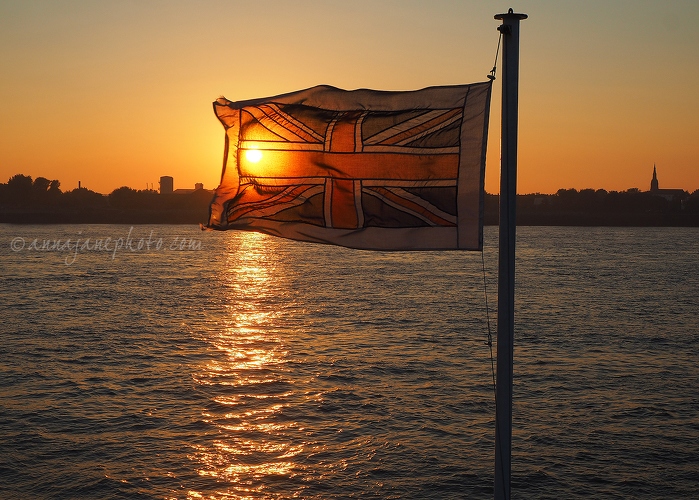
(236, 365)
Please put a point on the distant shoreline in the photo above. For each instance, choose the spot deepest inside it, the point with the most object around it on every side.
(24, 200)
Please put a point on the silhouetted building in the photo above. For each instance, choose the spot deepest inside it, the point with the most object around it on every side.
(668, 194)
(654, 181)
(197, 187)
(166, 184)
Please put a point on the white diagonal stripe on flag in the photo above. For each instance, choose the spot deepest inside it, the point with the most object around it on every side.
(297, 123)
(429, 131)
(276, 207)
(422, 202)
(403, 126)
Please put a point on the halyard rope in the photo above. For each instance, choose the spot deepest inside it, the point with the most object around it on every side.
(487, 316)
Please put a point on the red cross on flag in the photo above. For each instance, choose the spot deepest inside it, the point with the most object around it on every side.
(362, 169)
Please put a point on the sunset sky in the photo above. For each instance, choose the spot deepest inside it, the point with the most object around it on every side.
(116, 93)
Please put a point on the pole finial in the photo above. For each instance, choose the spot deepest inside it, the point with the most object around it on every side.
(511, 15)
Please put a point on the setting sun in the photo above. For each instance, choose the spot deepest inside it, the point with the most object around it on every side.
(253, 155)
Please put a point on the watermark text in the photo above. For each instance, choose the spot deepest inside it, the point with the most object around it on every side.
(109, 245)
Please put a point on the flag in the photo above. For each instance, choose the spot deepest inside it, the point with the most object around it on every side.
(363, 168)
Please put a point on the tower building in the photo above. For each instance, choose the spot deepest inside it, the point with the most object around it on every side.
(668, 194)
(654, 181)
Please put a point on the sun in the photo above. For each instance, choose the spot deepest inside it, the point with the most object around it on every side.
(253, 155)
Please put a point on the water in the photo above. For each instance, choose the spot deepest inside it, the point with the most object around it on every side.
(235, 365)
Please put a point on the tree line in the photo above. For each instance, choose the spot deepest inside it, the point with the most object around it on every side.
(590, 207)
(23, 199)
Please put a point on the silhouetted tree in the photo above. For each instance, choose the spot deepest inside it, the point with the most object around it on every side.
(127, 198)
(54, 193)
(40, 190)
(122, 197)
(83, 198)
(19, 190)
(41, 185)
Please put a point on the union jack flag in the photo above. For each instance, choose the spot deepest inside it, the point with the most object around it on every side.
(363, 168)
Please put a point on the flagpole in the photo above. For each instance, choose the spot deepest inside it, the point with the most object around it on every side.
(506, 272)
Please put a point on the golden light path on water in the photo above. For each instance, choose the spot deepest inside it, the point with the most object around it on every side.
(247, 383)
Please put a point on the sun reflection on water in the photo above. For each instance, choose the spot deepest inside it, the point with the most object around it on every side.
(247, 379)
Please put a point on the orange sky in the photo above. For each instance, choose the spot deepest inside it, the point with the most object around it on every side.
(119, 93)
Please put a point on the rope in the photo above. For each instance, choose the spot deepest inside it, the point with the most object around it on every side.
(491, 76)
(487, 316)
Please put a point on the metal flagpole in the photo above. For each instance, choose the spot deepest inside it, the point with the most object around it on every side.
(506, 272)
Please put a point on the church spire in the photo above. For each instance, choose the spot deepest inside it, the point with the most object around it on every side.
(654, 182)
